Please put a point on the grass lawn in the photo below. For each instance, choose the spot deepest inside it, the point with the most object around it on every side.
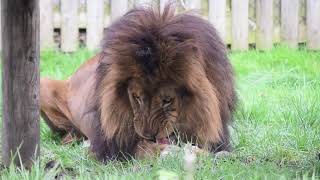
(275, 134)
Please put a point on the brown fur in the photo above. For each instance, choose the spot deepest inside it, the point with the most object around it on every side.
(156, 73)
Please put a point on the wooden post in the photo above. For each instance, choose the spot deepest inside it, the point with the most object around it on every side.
(106, 14)
(20, 81)
(193, 4)
(264, 33)
(146, 3)
(95, 9)
(69, 25)
(290, 22)
(217, 16)
(313, 24)
(118, 8)
(240, 26)
(46, 24)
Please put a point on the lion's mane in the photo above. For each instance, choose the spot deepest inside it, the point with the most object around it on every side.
(183, 48)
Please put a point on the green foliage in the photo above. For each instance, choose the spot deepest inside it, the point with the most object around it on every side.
(275, 134)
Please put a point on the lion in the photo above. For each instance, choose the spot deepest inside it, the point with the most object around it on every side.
(157, 75)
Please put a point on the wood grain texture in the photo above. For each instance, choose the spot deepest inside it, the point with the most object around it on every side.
(290, 22)
(20, 79)
(46, 24)
(146, 3)
(313, 24)
(258, 12)
(240, 24)
(118, 8)
(193, 4)
(264, 32)
(95, 15)
(69, 25)
(218, 16)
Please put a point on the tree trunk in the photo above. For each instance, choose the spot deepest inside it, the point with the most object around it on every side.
(20, 81)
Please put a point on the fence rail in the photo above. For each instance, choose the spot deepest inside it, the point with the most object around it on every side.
(261, 23)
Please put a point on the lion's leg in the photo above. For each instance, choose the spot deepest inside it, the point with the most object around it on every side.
(73, 135)
(51, 123)
(54, 108)
(213, 146)
(220, 146)
(224, 143)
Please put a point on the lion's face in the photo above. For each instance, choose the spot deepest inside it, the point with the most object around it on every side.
(155, 109)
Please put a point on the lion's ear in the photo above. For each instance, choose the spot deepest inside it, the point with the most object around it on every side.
(99, 146)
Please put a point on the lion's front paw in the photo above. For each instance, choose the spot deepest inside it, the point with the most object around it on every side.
(147, 149)
(169, 149)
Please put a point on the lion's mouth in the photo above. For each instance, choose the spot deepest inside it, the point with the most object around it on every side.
(171, 139)
(162, 141)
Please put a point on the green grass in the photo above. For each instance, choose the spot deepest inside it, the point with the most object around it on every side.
(275, 134)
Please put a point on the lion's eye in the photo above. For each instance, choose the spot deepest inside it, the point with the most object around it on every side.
(167, 101)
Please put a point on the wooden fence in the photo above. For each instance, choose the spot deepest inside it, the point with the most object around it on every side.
(242, 23)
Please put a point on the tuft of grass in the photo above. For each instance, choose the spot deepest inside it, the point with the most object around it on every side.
(275, 134)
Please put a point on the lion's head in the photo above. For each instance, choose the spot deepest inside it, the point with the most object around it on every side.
(163, 72)
(155, 108)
